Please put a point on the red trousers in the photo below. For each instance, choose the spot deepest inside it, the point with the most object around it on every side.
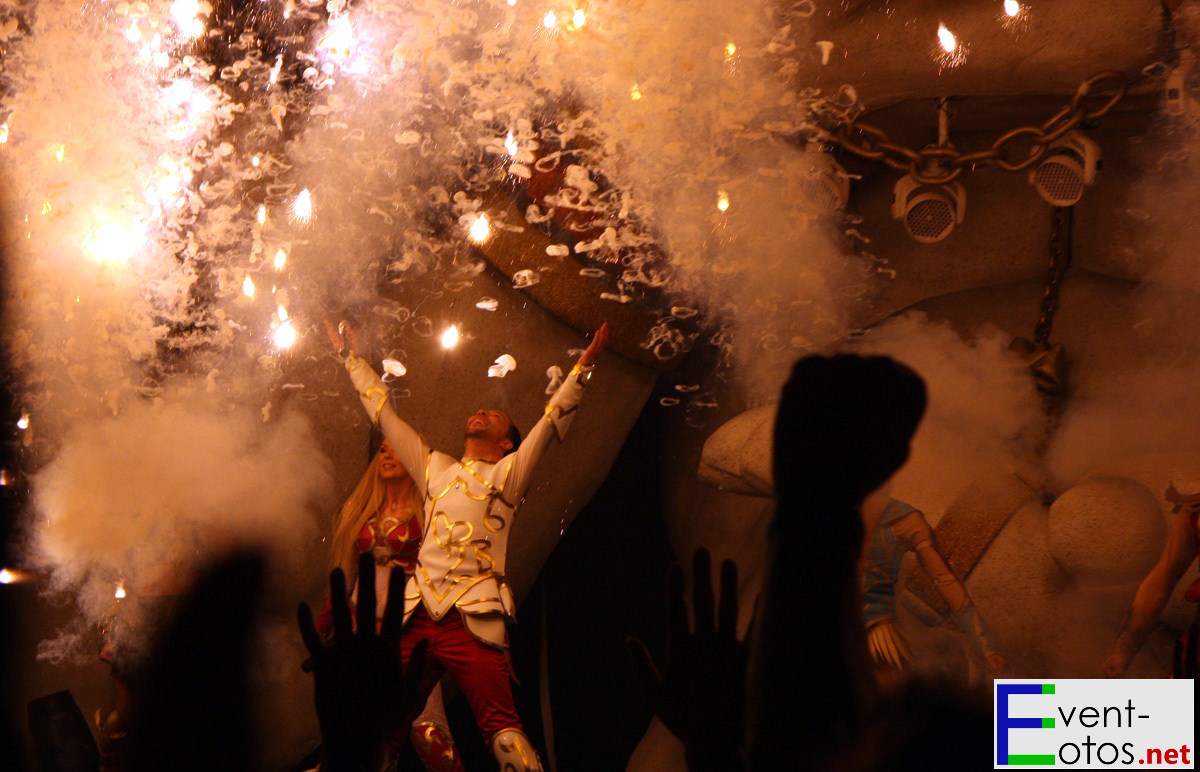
(480, 671)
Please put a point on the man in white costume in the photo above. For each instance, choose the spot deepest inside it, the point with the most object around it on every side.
(457, 598)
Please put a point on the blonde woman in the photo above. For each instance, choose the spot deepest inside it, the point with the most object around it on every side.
(383, 515)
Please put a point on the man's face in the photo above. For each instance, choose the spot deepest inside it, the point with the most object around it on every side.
(489, 424)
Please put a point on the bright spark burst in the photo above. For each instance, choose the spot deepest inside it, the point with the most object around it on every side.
(184, 12)
(302, 207)
(950, 51)
(248, 288)
(480, 229)
(722, 201)
(578, 19)
(134, 33)
(285, 336)
(6, 576)
(60, 151)
(450, 337)
(730, 51)
(549, 20)
(3, 477)
(635, 93)
(1012, 7)
(255, 161)
(510, 144)
(946, 39)
(280, 259)
(120, 591)
(3, 133)
(339, 40)
(46, 207)
(262, 214)
(23, 421)
(113, 243)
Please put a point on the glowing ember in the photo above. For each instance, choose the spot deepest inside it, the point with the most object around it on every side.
(120, 592)
(46, 207)
(480, 229)
(6, 576)
(3, 133)
(549, 20)
(3, 477)
(113, 243)
(302, 207)
(730, 51)
(23, 421)
(722, 201)
(578, 19)
(635, 93)
(255, 161)
(248, 288)
(510, 144)
(1012, 7)
(946, 39)
(450, 337)
(285, 335)
(59, 152)
(280, 260)
(262, 214)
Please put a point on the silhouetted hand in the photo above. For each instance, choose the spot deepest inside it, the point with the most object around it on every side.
(700, 694)
(362, 693)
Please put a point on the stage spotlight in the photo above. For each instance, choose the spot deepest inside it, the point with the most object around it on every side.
(823, 181)
(1071, 162)
(929, 212)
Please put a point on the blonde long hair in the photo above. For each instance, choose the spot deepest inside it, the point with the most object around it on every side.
(363, 502)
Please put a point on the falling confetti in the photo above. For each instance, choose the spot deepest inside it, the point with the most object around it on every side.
(394, 368)
(525, 278)
(504, 365)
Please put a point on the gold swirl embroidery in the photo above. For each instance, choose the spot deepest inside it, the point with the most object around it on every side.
(453, 545)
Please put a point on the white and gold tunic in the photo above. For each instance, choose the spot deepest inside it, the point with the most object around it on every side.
(470, 505)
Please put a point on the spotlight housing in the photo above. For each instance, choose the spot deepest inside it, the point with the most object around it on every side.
(929, 212)
(823, 181)
(1071, 163)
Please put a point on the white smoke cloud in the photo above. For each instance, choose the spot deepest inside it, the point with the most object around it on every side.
(144, 497)
(984, 416)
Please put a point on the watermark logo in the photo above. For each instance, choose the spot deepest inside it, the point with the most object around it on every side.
(1095, 723)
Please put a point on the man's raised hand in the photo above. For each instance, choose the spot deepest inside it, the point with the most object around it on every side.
(594, 349)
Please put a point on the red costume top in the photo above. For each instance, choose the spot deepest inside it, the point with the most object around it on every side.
(394, 544)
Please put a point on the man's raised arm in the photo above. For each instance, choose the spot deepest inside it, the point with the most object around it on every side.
(560, 413)
(406, 443)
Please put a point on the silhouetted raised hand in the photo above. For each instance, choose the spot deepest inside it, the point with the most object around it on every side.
(362, 692)
(700, 694)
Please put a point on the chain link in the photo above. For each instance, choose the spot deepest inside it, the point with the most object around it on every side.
(1060, 261)
(935, 164)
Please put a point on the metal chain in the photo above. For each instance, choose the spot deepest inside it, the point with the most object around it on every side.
(1060, 261)
(936, 164)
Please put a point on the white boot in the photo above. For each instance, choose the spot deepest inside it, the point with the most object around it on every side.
(514, 752)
